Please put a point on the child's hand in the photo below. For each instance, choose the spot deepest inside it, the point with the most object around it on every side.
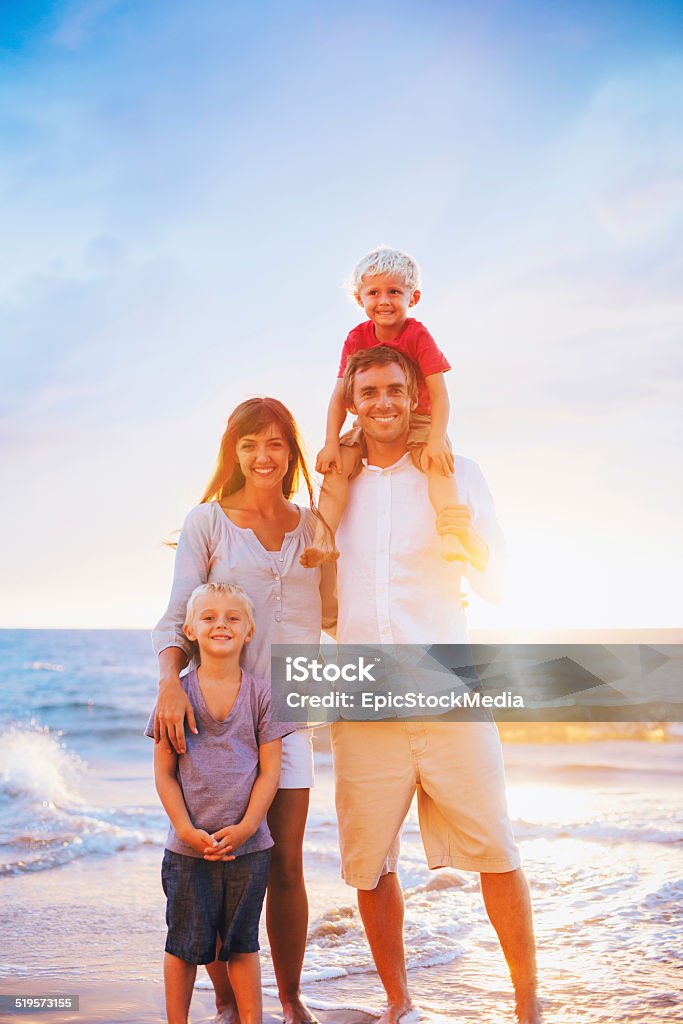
(329, 456)
(227, 840)
(437, 455)
(458, 520)
(198, 839)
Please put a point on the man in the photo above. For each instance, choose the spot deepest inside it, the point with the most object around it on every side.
(395, 588)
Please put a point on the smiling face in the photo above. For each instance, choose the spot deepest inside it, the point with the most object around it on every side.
(382, 403)
(221, 625)
(386, 299)
(264, 457)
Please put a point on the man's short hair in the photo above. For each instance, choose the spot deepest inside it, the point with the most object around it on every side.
(231, 589)
(384, 260)
(381, 355)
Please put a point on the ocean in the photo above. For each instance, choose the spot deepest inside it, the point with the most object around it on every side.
(599, 822)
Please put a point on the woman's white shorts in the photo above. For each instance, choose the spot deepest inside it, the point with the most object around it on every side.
(297, 760)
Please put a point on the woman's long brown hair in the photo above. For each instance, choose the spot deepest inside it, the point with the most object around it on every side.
(253, 417)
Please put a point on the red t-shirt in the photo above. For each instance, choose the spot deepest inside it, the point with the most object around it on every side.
(414, 341)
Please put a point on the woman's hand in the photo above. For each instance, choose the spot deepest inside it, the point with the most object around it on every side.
(173, 707)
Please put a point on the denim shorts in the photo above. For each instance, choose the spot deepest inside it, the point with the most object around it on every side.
(210, 899)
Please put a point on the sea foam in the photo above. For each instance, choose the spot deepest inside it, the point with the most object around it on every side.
(45, 820)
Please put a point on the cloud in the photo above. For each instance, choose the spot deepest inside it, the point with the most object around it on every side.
(623, 156)
(184, 188)
(646, 203)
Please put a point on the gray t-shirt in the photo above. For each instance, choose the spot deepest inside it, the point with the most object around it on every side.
(220, 766)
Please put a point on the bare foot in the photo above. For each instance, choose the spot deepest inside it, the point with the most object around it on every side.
(528, 1011)
(451, 549)
(313, 557)
(405, 1014)
(297, 1013)
(228, 1015)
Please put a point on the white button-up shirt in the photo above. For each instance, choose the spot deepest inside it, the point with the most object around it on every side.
(394, 587)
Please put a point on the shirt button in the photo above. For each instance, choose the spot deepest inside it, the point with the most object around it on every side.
(276, 576)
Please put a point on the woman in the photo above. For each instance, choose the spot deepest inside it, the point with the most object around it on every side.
(247, 531)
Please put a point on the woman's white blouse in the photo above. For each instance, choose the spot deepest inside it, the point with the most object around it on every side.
(288, 607)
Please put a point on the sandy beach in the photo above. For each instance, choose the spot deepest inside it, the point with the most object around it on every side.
(97, 931)
(95, 927)
(598, 822)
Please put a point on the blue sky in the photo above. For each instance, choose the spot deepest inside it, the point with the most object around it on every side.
(183, 191)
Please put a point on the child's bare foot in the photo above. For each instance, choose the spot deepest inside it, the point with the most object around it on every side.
(451, 548)
(313, 557)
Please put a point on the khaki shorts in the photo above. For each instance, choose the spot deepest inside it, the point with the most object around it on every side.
(457, 770)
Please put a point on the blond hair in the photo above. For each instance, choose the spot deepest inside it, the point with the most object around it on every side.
(384, 260)
(228, 589)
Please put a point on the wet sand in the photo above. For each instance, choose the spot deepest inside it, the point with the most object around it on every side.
(142, 1002)
(104, 920)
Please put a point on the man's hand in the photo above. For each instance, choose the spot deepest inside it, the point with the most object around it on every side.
(437, 455)
(173, 707)
(227, 840)
(458, 520)
(329, 456)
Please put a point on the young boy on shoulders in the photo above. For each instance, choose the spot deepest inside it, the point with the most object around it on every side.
(386, 284)
(216, 795)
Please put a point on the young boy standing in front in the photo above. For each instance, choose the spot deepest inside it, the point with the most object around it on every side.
(386, 284)
(217, 795)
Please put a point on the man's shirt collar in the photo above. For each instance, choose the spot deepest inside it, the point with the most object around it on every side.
(387, 469)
